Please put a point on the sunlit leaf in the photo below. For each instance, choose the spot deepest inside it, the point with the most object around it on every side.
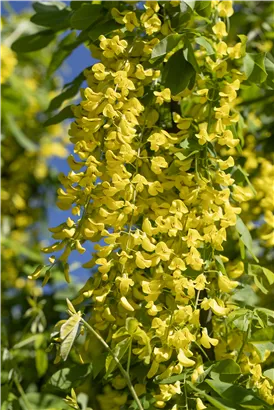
(68, 333)
(245, 236)
(202, 41)
(41, 361)
(119, 351)
(166, 45)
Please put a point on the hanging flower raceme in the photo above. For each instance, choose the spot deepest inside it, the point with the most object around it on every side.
(158, 201)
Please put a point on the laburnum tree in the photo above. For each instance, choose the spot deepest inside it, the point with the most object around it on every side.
(171, 182)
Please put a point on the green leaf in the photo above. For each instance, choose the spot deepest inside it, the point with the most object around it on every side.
(49, 15)
(85, 16)
(245, 236)
(46, 6)
(19, 135)
(173, 379)
(190, 3)
(203, 8)
(263, 340)
(177, 73)
(263, 277)
(68, 333)
(61, 116)
(240, 175)
(61, 53)
(166, 45)
(98, 363)
(41, 401)
(19, 249)
(240, 319)
(202, 41)
(103, 28)
(77, 4)
(33, 42)
(269, 67)
(220, 264)
(68, 377)
(41, 362)
(119, 351)
(226, 370)
(269, 275)
(190, 147)
(236, 395)
(190, 57)
(254, 67)
(69, 92)
(218, 403)
(182, 157)
(246, 296)
(269, 374)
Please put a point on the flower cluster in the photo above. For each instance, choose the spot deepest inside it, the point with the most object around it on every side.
(8, 62)
(157, 201)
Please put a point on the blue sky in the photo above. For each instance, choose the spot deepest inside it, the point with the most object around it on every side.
(74, 64)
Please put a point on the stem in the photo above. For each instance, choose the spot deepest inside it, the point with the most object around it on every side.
(244, 341)
(185, 391)
(202, 350)
(197, 299)
(22, 393)
(122, 370)
(129, 356)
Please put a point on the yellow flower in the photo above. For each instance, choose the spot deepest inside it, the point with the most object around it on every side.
(151, 22)
(203, 135)
(185, 361)
(236, 52)
(220, 29)
(141, 262)
(8, 62)
(207, 341)
(131, 21)
(225, 284)
(113, 46)
(99, 71)
(200, 405)
(177, 263)
(225, 8)
(163, 96)
(216, 308)
(157, 163)
(194, 259)
(241, 194)
(221, 48)
(162, 251)
(200, 282)
(157, 139)
(235, 269)
(126, 305)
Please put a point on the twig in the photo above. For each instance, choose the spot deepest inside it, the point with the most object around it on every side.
(122, 370)
(22, 393)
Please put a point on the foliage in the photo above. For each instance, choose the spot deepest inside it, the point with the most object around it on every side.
(171, 182)
(27, 184)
